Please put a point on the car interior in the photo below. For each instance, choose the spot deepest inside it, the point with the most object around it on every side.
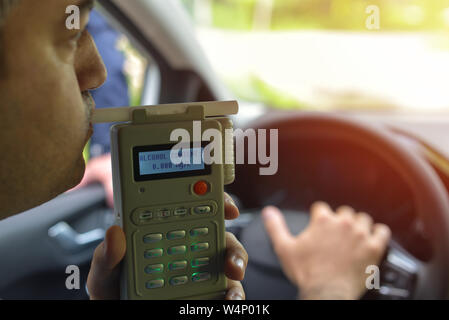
(393, 165)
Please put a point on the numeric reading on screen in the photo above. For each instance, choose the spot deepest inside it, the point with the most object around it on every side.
(159, 161)
(164, 162)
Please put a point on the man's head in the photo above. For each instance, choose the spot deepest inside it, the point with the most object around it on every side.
(45, 106)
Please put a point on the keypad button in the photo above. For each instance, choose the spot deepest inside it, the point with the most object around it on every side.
(152, 238)
(155, 268)
(201, 188)
(163, 213)
(177, 250)
(146, 215)
(180, 212)
(153, 253)
(202, 210)
(177, 265)
(200, 262)
(199, 232)
(175, 235)
(154, 284)
(201, 276)
(177, 281)
(196, 247)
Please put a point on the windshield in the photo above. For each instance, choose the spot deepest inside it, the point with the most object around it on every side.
(329, 54)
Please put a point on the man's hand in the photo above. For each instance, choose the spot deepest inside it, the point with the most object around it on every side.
(100, 170)
(103, 280)
(329, 258)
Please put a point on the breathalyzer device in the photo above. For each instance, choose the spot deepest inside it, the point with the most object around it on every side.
(172, 213)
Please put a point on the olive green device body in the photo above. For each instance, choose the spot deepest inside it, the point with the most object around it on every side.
(175, 238)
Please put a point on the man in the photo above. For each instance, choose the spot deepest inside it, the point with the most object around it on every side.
(46, 72)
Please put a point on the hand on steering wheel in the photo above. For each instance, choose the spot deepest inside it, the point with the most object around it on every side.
(329, 258)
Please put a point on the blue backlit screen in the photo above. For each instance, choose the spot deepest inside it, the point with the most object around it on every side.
(159, 162)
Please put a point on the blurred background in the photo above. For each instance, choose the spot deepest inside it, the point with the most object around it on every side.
(329, 54)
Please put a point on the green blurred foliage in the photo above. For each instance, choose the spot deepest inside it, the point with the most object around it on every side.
(252, 88)
(395, 15)
(344, 15)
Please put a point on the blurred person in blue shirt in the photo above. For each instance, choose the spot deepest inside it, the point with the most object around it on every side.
(113, 93)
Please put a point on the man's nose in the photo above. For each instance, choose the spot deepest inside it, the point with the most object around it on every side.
(90, 69)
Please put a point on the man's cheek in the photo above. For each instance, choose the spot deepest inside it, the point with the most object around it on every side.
(71, 109)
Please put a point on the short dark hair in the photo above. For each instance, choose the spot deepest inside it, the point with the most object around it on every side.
(5, 8)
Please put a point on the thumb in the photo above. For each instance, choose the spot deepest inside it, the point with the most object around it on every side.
(276, 227)
(103, 280)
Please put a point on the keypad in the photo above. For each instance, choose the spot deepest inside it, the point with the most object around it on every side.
(177, 257)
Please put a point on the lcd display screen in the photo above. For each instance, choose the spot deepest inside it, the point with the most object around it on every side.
(154, 162)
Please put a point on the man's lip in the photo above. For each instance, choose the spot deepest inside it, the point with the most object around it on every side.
(89, 102)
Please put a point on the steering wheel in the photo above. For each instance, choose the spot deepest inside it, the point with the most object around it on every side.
(426, 279)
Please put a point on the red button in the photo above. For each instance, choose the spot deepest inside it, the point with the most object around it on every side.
(201, 188)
